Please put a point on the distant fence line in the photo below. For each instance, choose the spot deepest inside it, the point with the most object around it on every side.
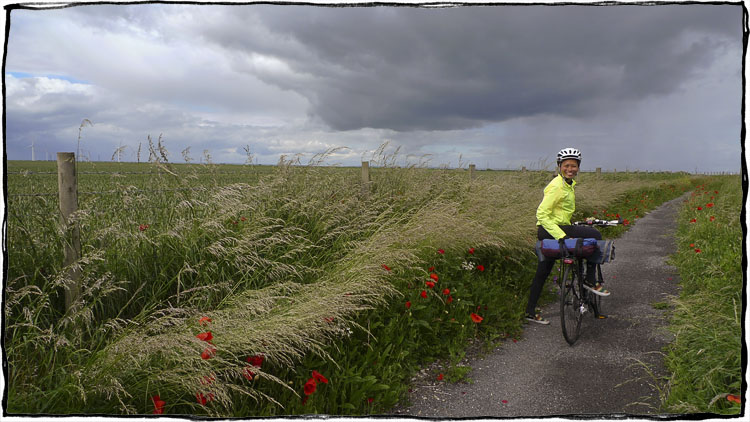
(27, 173)
(598, 170)
(365, 178)
(110, 192)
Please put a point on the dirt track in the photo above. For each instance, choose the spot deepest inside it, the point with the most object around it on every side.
(541, 375)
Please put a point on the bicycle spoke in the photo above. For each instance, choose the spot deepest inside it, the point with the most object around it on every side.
(571, 304)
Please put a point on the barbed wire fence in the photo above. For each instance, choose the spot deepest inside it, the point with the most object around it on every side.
(67, 194)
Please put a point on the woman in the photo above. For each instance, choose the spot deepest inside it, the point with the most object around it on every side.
(553, 222)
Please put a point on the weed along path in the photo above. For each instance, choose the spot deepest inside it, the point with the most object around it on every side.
(603, 373)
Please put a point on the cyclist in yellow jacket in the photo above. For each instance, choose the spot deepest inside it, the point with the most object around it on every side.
(553, 222)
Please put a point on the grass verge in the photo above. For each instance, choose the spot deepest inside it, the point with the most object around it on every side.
(705, 359)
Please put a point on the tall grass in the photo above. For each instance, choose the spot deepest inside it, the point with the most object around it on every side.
(300, 265)
(706, 357)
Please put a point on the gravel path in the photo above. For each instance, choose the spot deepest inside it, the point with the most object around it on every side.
(600, 375)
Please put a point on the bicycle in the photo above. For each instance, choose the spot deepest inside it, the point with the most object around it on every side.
(575, 299)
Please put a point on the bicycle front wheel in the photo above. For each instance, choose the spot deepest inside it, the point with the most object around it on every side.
(571, 302)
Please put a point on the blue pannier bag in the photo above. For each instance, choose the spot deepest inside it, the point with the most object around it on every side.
(578, 247)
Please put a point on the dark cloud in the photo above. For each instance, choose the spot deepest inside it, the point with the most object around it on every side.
(407, 68)
(504, 86)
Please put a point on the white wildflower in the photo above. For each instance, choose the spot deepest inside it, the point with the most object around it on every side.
(468, 266)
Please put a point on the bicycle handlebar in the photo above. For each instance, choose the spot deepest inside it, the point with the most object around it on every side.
(597, 222)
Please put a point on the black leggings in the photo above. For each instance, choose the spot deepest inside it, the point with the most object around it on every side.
(543, 268)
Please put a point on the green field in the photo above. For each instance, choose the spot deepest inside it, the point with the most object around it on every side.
(296, 263)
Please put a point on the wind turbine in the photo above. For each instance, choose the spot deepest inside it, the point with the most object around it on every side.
(32, 150)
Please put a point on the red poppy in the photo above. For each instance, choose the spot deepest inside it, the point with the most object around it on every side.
(234, 222)
(733, 398)
(712, 218)
(431, 269)
(471, 251)
(208, 353)
(434, 276)
(386, 267)
(505, 401)
(142, 227)
(430, 284)
(204, 399)
(692, 245)
(700, 208)
(243, 219)
(480, 267)
(709, 205)
(450, 299)
(319, 377)
(423, 294)
(693, 220)
(716, 191)
(329, 319)
(204, 320)
(158, 405)
(255, 360)
(207, 336)
(441, 251)
(408, 304)
(248, 373)
(625, 222)
(440, 377)
(476, 318)
(446, 291)
(370, 400)
(310, 386)
(207, 380)
(697, 251)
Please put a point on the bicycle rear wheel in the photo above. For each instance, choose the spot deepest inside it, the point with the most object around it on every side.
(570, 304)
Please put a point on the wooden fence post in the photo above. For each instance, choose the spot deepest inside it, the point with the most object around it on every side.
(67, 185)
(472, 170)
(365, 177)
(598, 171)
(523, 169)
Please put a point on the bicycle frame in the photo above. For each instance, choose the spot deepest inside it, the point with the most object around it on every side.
(575, 300)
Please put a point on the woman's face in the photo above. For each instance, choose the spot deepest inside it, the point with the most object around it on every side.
(569, 168)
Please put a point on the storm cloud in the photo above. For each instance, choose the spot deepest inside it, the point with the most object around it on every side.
(415, 69)
(520, 82)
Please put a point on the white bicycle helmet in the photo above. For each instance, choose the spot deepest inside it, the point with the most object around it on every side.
(568, 153)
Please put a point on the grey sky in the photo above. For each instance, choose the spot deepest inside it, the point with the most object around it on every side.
(632, 86)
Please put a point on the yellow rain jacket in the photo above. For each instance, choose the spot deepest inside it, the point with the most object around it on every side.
(557, 206)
